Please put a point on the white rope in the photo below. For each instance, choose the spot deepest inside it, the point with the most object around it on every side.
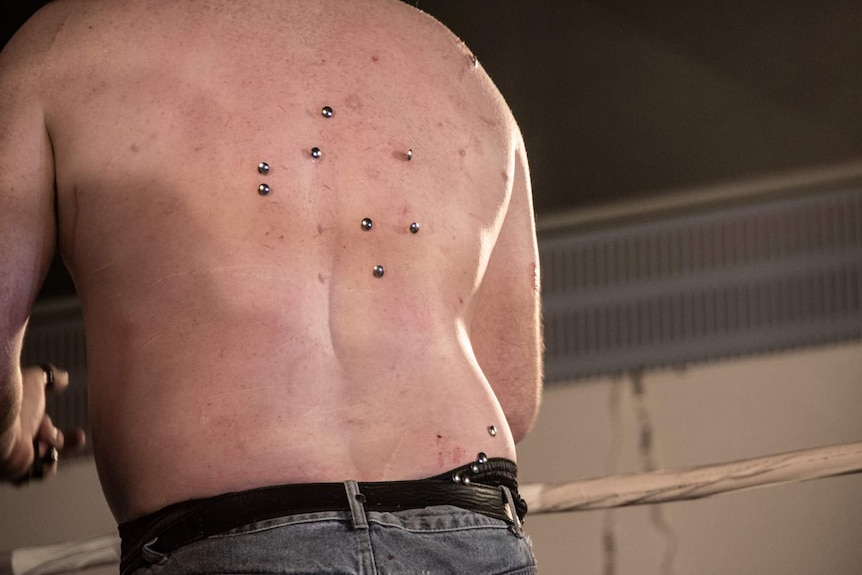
(694, 483)
(65, 557)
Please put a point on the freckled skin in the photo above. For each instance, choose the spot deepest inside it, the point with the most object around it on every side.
(237, 340)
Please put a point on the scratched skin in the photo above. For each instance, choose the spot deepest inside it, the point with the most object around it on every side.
(236, 340)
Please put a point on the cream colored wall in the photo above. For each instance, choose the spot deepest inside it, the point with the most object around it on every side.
(705, 414)
(709, 414)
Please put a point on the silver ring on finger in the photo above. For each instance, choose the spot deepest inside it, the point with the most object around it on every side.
(49, 375)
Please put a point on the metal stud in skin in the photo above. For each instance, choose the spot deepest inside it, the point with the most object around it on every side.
(263, 168)
(327, 112)
(482, 459)
(263, 190)
(492, 430)
(414, 228)
(409, 155)
(367, 224)
(316, 153)
(379, 271)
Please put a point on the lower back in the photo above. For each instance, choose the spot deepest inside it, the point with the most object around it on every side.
(240, 402)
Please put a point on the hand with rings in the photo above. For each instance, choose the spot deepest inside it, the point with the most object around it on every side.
(37, 443)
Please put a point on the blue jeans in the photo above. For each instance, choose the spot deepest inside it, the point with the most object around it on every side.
(440, 540)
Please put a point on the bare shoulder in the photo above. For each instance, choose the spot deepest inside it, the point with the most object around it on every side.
(454, 50)
(25, 56)
(390, 25)
(44, 45)
(25, 65)
(447, 58)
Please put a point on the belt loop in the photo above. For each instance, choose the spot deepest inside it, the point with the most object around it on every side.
(512, 511)
(356, 500)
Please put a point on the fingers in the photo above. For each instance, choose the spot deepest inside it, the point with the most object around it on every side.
(35, 382)
(47, 377)
(49, 435)
(47, 440)
(75, 440)
(54, 378)
(46, 446)
(44, 463)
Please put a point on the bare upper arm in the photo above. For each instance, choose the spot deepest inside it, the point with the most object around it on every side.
(27, 221)
(505, 330)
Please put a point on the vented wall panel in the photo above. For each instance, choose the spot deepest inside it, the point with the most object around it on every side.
(701, 286)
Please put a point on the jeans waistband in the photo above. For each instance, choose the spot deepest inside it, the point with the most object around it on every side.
(475, 487)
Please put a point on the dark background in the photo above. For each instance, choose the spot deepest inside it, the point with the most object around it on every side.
(620, 100)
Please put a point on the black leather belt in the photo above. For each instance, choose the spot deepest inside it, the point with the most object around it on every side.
(187, 522)
(229, 511)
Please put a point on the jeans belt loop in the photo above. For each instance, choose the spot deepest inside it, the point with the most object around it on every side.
(511, 510)
(356, 501)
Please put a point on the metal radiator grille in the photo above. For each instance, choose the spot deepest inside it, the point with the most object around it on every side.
(687, 288)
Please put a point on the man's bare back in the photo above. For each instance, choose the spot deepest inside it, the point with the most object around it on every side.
(239, 339)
